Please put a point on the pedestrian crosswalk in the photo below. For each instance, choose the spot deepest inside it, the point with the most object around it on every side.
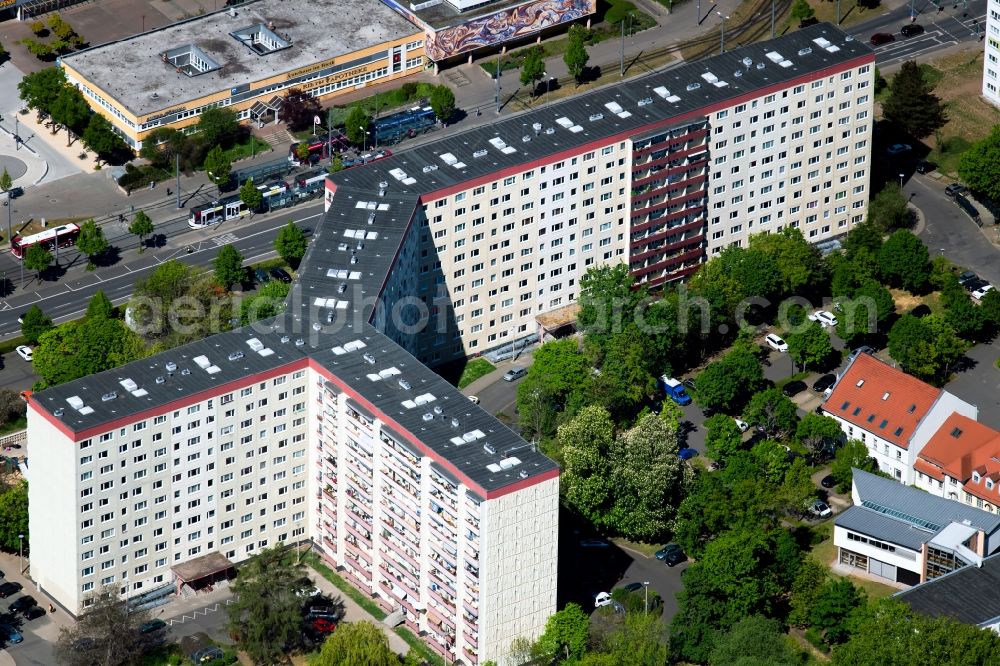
(225, 239)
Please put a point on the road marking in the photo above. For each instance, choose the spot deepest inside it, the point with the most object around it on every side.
(193, 615)
(225, 239)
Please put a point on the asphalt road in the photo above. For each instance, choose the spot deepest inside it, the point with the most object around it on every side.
(954, 24)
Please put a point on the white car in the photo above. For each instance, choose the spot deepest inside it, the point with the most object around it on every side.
(820, 509)
(979, 293)
(602, 599)
(474, 399)
(824, 318)
(24, 352)
(742, 425)
(776, 343)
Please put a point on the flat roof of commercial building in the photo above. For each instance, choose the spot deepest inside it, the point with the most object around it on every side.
(626, 109)
(444, 14)
(133, 72)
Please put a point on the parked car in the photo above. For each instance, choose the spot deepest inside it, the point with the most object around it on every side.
(687, 453)
(632, 587)
(925, 166)
(863, 349)
(824, 318)
(742, 425)
(602, 599)
(280, 274)
(260, 276)
(974, 284)
(982, 291)
(966, 276)
(24, 351)
(594, 543)
(969, 209)
(474, 399)
(793, 388)
(899, 148)
(22, 604)
(911, 30)
(11, 634)
(153, 625)
(514, 373)
(824, 382)
(33, 613)
(880, 38)
(955, 188)
(8, 589)
(671, 554)
(820, 509)
(776, 343)
(827, 481)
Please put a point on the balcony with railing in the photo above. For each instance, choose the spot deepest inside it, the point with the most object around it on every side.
(400, 548)
(398, 487)
(394, 574)
(471, 655)
(400, 529)
(446, 563)
(359, 531)
(399, 595)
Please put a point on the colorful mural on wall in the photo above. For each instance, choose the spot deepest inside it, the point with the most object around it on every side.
(504, 25)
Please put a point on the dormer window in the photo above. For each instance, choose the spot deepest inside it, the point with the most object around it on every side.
(975, 477)
(989, 484)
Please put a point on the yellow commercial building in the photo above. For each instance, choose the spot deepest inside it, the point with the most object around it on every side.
(246, 58)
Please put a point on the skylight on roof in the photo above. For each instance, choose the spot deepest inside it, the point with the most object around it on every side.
(189, 60)
(899, 431)
(259, 39)
(956, 433)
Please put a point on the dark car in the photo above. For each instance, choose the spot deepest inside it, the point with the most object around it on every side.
(22, 604)
(151, 626)
(260, 276)
(8, 589)
(281, 275)
(954, 188)
(33, 613)
(793, 388)
(633, 587)
(824, 382)
(827, 481)
(966, 276)
(911, 30)
(671, 554)
(974, 284)
(880, 38)
(689, 384)
(924, 166)
(969, 209)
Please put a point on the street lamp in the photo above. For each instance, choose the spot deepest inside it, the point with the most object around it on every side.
(722, 37)
(20, 551)
(901, 176)
(364, 139)
(645, 595)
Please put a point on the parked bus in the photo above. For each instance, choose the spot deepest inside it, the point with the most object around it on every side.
(275, 195)
(309, 183)
(407, 123)
(319, 148)
(65, 235)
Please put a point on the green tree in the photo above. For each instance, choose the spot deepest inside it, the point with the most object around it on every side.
(772, 411)
(6, 182)
(532, 67)
(40, 89)
(355, 643)
(797, 490)
(722, 437)
(585, 443)
(266, 612)
(866, 313)
(141, 226)
(269, 301)
(163, 144)
(887, 211)
(753, 641)
(911, 104)
(34, 323)
(251, 196)
(640, 641)
(810, 345)
(302, 151)
(14, 514)
(37, 48)
(565, 634)
(797, 260)
(980, 165)
(771, 461)
(728, 383)
(442, 101)
(291, 243)
(818, 433)
(558, 380)
(647, 480)
(91, 241)
(228, 265)
(990, 305)
(12, 407)
(626, 377)
(576, 55)
(299, 109)
(967, 319)
(832, 607)
(100, 138)
(904, 261)
(801, 11)
(107, 633)
(705, 512)
(853, 454)
(925, 348)
(608, 303)
(155, 294)
(219, 167)
(85, 347)
(808, 582)
(867, 236)
(336, 164)
(70, 110)
(38, 259)
(100, 306)
(218, 125)
(356, 125)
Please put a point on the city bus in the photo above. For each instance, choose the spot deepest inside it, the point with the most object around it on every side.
(274, 194)
(65, 235)
(406, 123)
(309, 183)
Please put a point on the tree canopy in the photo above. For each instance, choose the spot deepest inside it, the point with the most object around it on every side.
(925, 348)
(356, 125)
(218, 126)
(107, 633)
(904, 261)
(85, 347)
(291, 243)
(251, 197)
(728, 383)
(299, 109)
(355, 643)
(576, 55)
(34, 323)
(809, 346)
(228, 266)
(218, 166)
(565, 633)
(980, 165)
(442, 101)
(911, 104)
(532, 67)
(141, 226)
(100, 306)
(91, 241)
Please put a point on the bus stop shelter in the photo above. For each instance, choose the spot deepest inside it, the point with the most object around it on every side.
(203, 572)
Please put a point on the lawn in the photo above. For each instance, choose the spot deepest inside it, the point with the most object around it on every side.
(389, 100)
(249, 148)
(475, 369)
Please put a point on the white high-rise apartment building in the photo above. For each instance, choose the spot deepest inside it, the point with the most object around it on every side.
(991, 54)
(326, 424)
